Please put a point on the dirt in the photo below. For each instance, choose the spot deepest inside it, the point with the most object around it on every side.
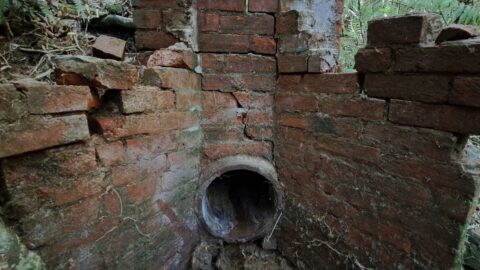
(248, 256)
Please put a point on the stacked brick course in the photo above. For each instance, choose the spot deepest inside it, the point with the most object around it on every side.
(237, 45)
(374, 159)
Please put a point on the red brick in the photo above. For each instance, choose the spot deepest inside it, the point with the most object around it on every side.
(385, 233)
(123, 126)
(139, 171)
(466, 91)
(149, 147)
(215, 101)
(172, 58)
(111, 153)
(213, 62)
(153, 39)
(345, 83)
(249, 64)
(294, 121)
(102, 74)
(44, 99)
(448, 59)
(269, 6)
(368, 109)
(250, 100)
(425, 88)
(292, 63)
(263, 45)
(410, 29)
(147, 18)
(353, 151)
(261, 24)
(141, 191)
(215, 151)
(255, 117)
(259, 132)
(240, 82)
(188, 100)
(223, 43)
(227, 5)
(83, 187)
(108, 47)
(287, 23)
(173, 78)
(296, 103)
(219, 133)
(373, 60)
(441, 117)
(405, 141)
(37, 133)
(208, 22)
(147, 99)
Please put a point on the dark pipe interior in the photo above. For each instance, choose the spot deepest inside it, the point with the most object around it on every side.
(239, 204)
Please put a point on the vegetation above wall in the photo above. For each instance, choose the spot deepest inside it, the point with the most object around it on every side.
(357, 13)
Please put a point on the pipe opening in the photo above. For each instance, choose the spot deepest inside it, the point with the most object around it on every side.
(239, 204)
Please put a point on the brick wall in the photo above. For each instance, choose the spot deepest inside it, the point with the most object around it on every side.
(237, 49)
(101, 170)
(372, 162)
(103, 178)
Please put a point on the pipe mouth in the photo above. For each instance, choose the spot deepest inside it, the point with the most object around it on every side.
(240, 199)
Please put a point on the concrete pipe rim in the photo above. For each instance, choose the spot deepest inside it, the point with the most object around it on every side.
(256, 165)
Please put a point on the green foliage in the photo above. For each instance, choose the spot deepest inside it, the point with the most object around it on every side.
(357, 14)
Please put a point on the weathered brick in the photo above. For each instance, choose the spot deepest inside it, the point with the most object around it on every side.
(44, 99)
(466, 91)
(249, 64)
(425, 88)
(263, 45)
(188, 99)
(141, 191)
(373, 60)
(287, 23)
(145, 39)
(111, 153)
(215, 151)
(100, 73)
(292, 63)
(254, 100)
(149, 147)
(344, 83)
(240, 82)
(260, 24)
(212, 62)
(411, 29)
(214, 101)
(173, 78)
(269, 6)
(208, 22)
(448, 59)
(298, 103)
(109, 47)
(37, 133)
(368, 109)
(226, 43)
(147, 18)
(139, 171)
(294, 121)
(172, 58)
(122, 126)
(227, 5)
(147, 99)
(441, 117)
